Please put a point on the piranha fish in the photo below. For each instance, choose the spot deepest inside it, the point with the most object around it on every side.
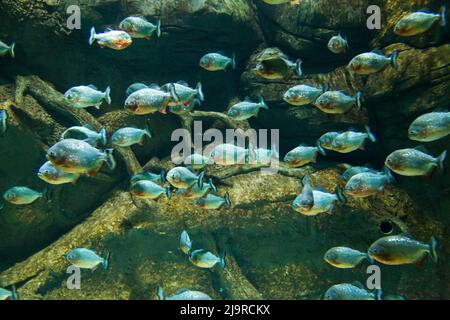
(337, 102)
(150, 100)
(146, 189)
(321, 202)
(87, 259)
(430, 127)
(228, 154)
(402, 249)
(196, 192)
(274, 2)
(217, 61)
(196, 161)
(419, 22)
(86, 134)
(263, 156)
(302, 95)
(367, 184)
(347, 291)
(213, 202)
(350, 141)
(23, 195)
(205, 259)
(76, 156)
(183, 178)
(372, 62)
(3, 121)
(352, 171)
(113, 39)
(415, 162)
(183, 294)
(186, 95)
(338, 44)
(139, 27)
(87, 96)
(8, 295)
(135, 87)
(156, 178)
(279, 68)
(185, 243)
(303, 155)
(246, 109)
(53, 175)
(126, 137)
(305, 201)
(346, 258)
(326, 140)
(5, 49)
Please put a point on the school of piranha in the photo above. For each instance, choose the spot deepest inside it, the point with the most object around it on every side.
(82, 151)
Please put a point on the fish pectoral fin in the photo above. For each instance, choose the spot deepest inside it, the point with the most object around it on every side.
(93, 173)
(419, 262)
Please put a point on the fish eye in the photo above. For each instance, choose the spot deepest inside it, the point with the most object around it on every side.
(386, 227)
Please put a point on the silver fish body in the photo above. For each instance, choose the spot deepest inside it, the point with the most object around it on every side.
(146, 189)
(337, 102)
(126, 137)
(22, 195)
(205, 259)
(87, 96)
(113, 39)
(85, 133)
(419, 22)
(76, 156)
(183, 178)
(337, 44)
(53, 175)
(345, 258)
(347, 291)
(147, 101)
(246, 109)
(217, 62)
(139, 27)
(302, 155)
(183, 295)
(213, 202)
(86, 259)
(302, 95)
(430, 127)
(229, 154)
(372, 62)
(414, 162)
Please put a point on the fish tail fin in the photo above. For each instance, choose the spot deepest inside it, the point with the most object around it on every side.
(443, 21)
(161, 293)
(103, 138)
(110, 161)
(158, 28)
(370, 259)
(263, 104)
(200, 179)
(105, 262)
(163, 176)
(2, 205)
(359, 100)
(233, 61)
(227, 200)
(433, 249)
(200, 94)
(320, 148)
(46, 194)
(298, 67)
(108, 95)
(14, 296)
(168, 192)
(394, 59)
(378, 294)
(11, 50)
(173, 93)
(92, 37)
(388, 173)
(340, 195)
(222, 261)
(147, 131)
(441, 162)
(372, 137)
(211, 184)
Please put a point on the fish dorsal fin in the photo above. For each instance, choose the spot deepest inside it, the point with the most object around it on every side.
(221, 52)
(377, 51)
(182, 291)
(154, 86)
(183, 83)
(407, 235)
(109, 29)
(440, 109)
(424, 10)
(358, 284)
(422, 149)
(247, 99)
(321, 189)
(92, 87)
(368, 165)
(88, 126)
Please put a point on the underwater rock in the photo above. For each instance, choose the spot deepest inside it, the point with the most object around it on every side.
(259, 201)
